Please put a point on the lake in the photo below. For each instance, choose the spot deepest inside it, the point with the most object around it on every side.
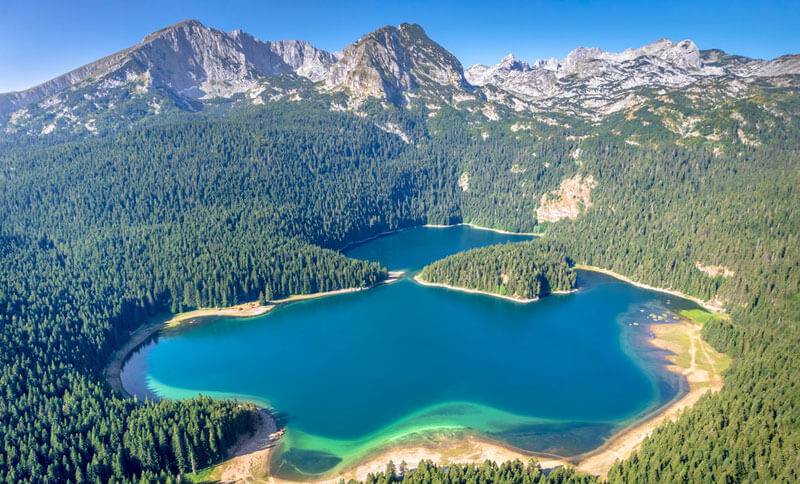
(352, 373)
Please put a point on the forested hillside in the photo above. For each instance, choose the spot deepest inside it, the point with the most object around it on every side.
(524, 270)
(215, 209)
(663, 220)
(97, 236)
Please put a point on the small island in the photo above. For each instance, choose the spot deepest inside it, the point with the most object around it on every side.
(522, 271)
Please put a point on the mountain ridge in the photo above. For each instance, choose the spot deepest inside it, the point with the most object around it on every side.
(187, 65)
(266, 58)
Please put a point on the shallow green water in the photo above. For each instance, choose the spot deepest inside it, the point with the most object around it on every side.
(355, 372)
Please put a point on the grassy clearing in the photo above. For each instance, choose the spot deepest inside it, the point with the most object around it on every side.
(699, 316)
(203, 475)
(697, 359)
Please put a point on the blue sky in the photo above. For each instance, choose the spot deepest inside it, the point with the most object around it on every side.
(40, 39)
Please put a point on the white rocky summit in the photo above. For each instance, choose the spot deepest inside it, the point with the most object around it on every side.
(190, 60)
(595, 82)
(393, 61)
(188, 65)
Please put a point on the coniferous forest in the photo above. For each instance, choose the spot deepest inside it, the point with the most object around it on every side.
(203, 210)
(511, 471)
(524, 270)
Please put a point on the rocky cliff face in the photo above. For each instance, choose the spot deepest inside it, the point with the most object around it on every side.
(188, 60)
(592, 82)
(304, 59)
(392, 62)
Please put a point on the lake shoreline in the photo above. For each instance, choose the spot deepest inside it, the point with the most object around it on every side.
(419, 280)
(620, 445)
(356, 243)
(139, 336)
(469, 449)
(597, 461)
(697, 378)
(707, 305)
(480, 227)
(156, 324)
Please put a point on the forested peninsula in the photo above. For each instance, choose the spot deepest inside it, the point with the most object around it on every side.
(522, 271)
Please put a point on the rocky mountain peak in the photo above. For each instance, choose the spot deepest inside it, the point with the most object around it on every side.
(392, 61)
(509, 62)
(594, 79)
(684, 55)
(189, 60)
(183, 26)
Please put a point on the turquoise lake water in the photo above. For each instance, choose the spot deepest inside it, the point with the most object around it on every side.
(352, 373)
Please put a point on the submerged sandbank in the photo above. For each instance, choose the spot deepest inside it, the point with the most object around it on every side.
(443, 451)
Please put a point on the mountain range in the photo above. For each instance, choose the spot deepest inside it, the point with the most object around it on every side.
(190, 67)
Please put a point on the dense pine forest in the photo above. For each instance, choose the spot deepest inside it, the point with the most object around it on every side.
(525, 270)
(204, 210)
(508, 472)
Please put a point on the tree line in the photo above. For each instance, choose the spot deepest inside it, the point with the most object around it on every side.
(488, 472)
(525, 270)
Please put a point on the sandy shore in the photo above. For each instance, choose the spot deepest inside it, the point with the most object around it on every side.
(480, 227)
(157, 323)
(137, 337)
(707, 305)
(250, 455)
(246, 310)
(254, 308)
(522, 300)
(443, 451)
